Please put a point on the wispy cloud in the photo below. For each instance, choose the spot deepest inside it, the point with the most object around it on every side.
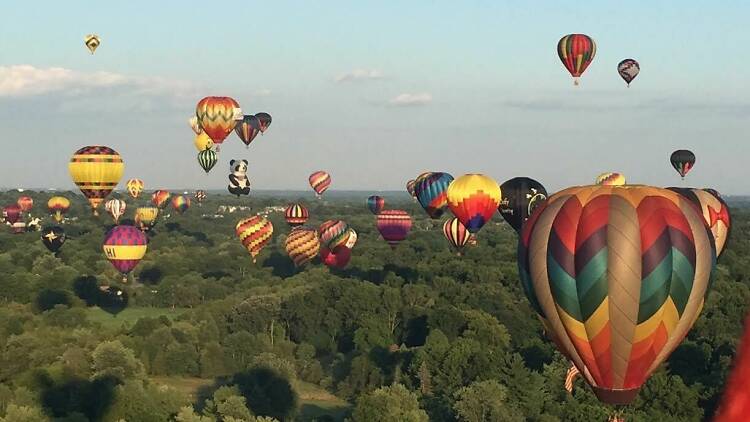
(26, 80)
(403, 100)
(359, 75)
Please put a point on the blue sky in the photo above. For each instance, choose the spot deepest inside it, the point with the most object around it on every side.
(377, 92)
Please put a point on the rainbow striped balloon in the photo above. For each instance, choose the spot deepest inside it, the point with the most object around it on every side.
(431, 193)
(180, 203)
(473, 199)
(302, 245)
(254, 233)
(125, 246)
(296, 215)
(333, 233)
(394, 226)
(618, 275)
(610, 179)
(320, 181)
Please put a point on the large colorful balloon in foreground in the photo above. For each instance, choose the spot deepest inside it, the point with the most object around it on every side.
(683, 161)
(610, 179)
(375, 204)
(333, 233)
(160, 198)
(53, 238)
(145, 218)
(296, 215)
(618, 275)
(247, 129)
(628, 70)
(91, 41)
(254, 233)
(125, 246)
(431, 193)
(456, 233)
(216, 116)
(394, 226)
(180, 203)
(473, 198)
(319, 182)
(135, 187)
(715, 213)
(96, 170)
(58, 206)
(576, 51)
(521, 195)
(302, 245)
(115, 208)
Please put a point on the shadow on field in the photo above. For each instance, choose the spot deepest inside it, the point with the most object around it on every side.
(77, 396)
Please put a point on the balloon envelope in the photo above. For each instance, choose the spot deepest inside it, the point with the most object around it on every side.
(431, 193)
(135, 187)
(217, 117)
(53, 238)
(125, 246)
(576, 51)
(320, 181)
(628, 70)
(683, 161)
(254, 233)
(394, 226)
(473, 198)
(296, 215)
(520, 196)
(375, 204)
(96, 170)
(715, 213)
(302, 245)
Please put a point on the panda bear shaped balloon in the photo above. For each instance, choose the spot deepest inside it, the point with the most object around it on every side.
(239, 184)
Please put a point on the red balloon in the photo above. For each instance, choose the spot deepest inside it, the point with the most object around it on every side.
(337, 258)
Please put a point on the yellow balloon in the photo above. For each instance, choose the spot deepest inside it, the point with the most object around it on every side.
(203, 142)
(96, 170)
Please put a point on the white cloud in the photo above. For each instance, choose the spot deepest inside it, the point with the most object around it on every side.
(360, 75)
(411, 99)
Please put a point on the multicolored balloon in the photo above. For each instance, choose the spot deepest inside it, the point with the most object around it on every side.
(337, 258)
(351, 240)
(160, 198)
(200, 196)
(628, 70)
(92, 42)
(456, 233)
(431, 193)
(115, 208)
(58, 206)
(521, 195)
(207, 159)
(180, 203)
(254, 233)
(375, 204)
(473, 198)
(125, 246)
(333, 233)
(610, 179)
(135, 187)
(683, 161)
(302, 245)
(617, 275)
(296, 215)
(576, 51)
(96, 170)
(217, 116)
(145, 218)
(202, 142)
(394, 226)
(25, 202)
(53, 238)
(715, 213)
(265, 121)
(319, 182)
(247, 129)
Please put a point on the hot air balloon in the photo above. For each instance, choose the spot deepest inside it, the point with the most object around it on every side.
(160, 198)
(247, 129)
(618, 275)
(337, 258)
(217, 116)
(115, 208)
(576, 51)
(410, 188)
(193, 122)
(202, 142)
(473, 198)
(610, 179)
(57, 206)
(628, 70)
(683, 161)
(254, 233)
(735, 403)
(207, 159)
(351, 239)
(53, 238)
(112, 300)
(199, 196)
(570, 377)
(180, 203)
(430, 192)
(333, 233)
(521, 195)
(394, 226)
(124, 246)
(239, 183)
(12, 213)
(375, 204)
(26, 203)
(145, 218)
(714, 211)
(135, 187)
(296, 215)
(320, 181)
(91, 41)
(96, 170)
(265, 121)
(456, 233)
(302, 245)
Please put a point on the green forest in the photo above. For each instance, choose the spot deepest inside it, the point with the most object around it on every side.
(415, 333)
